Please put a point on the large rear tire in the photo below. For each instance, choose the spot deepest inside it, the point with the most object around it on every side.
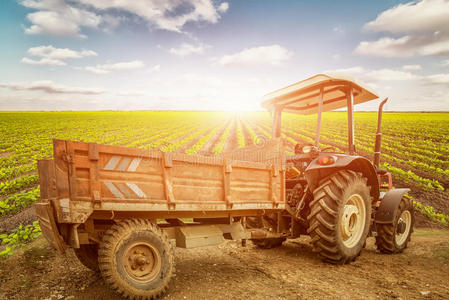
(88, 256)
(394, 238)
(340, 216)
(136, 259)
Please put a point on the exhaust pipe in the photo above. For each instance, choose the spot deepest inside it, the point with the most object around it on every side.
(378, 142)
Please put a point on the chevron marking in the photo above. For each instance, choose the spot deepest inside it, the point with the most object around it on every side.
(112, 163)
(123, 164)
(111, 187)
(134, 164)
(136, 190)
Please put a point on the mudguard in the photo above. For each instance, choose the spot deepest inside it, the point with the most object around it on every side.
(389, 205)
(315, 172)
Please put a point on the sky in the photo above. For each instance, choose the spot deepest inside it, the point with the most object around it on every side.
(217, 55)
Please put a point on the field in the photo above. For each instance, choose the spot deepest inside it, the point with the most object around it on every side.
(415, 150)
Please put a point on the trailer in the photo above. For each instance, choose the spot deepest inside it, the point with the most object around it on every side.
(124, 210)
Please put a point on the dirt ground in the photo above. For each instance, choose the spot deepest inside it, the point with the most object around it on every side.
(230, 271)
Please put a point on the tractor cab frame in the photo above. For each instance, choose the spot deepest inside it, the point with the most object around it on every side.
(336, 197)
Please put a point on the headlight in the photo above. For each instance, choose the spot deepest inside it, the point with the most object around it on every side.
(307, 149)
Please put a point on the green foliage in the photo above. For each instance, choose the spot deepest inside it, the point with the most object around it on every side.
(19, 237)
(430, 213)
(240, 136)
(16, 202)
(18, 184)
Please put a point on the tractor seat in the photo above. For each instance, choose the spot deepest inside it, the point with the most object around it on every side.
(381, 171)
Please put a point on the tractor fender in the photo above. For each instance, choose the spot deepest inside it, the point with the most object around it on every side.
(389, 205)
(315, 172)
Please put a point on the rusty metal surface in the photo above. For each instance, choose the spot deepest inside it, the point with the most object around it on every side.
(92, 177)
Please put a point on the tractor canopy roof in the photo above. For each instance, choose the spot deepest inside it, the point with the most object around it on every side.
(303, 97)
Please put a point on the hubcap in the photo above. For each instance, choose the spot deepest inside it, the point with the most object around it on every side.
(142, 262)
(406, 220)
(352, 222)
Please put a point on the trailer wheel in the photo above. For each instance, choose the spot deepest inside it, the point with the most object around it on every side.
(340, 216)
(88, 256)
(394, 238)
(136, 259)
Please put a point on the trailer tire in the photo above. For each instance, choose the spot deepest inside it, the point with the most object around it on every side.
(88, 256)
(340, 216)
(388, 240)
(136, 259)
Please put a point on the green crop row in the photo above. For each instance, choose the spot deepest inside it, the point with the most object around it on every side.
(18, 184)
(19, 237)
(16, 202)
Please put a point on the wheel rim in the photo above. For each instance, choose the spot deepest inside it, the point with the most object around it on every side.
(142, 262)
(406, 217)
(352, 223)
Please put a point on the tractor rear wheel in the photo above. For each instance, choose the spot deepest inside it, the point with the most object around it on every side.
(340, 215)
(88, 256)
(136, 259)
(394, 238)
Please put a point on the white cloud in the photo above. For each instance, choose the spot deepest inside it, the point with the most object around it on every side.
(390, 75)
(43, 62)
(94, 70)
(187, 49)
(415, 16)
(338, 29)
(351, 70)
(59, 53)
(377, 75)
(412, 67)
(438, 79)
(155, 69)
(132, 94)
(161, 14)
(273, 55)
(445, 63)
(50, 87)
(107, 68)
(54, 56)
(223, 7)
(127, 65)
(68, 18)
(56, 17)
(424, 26)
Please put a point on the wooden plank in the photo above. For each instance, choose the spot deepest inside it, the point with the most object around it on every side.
(61, 169)
(168, 180)
(273, 183)
(227, 169)
(45, 214)
(94, 180)
(70, 155)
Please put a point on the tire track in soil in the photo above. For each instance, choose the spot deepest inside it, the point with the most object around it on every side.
(232, 143)
(210, 144)
(246, 134)
(195, 140)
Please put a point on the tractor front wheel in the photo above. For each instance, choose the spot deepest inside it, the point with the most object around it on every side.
(394, 238)
(340, 215)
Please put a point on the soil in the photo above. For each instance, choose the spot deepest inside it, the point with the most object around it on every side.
(230, 271)
(26, 216)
